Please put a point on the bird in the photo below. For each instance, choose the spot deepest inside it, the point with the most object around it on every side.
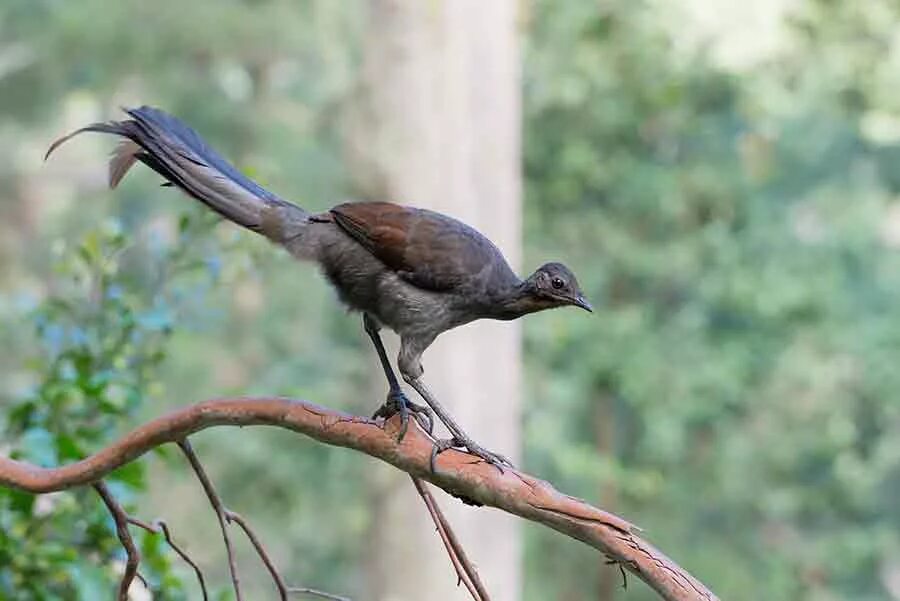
(415, 271)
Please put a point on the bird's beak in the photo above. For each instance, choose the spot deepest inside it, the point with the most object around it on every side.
(580, 301)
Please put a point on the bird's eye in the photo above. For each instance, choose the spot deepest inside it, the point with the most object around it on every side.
(557, 283)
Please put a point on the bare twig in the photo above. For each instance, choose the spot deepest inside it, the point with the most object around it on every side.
(161, 527)
(121, 520)
(216, 503)
(143, 580)
(458, 474)
(225, 517)
(465, 570)
(302, 590)
(261, 551)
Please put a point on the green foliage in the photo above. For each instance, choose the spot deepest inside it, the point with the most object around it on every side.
(101, 337)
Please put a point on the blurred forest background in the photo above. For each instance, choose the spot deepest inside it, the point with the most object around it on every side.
(723, 176)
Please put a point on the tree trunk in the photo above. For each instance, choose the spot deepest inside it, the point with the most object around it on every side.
(610, 579)
(437, 124)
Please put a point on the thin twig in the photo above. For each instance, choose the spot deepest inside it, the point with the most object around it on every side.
(142, 579)
(160, 526)
(302, 590)
(614, 562)
(465, 570)
(121, 520)
(216, 503)
(226, 516)
(231, 516)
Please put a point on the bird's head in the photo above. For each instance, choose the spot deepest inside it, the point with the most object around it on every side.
(554, 285)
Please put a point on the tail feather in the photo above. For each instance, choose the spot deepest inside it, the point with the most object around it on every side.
(179, 154)
(123, 157)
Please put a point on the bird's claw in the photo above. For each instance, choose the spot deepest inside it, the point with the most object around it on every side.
(398, 403)
(441, 445)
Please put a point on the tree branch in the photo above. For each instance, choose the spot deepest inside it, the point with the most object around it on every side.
(465, 571)
(121, 520)
(457, 473)
(311, 592)
(217, 506)
(225, 517)
(260, 550)
(160, 526)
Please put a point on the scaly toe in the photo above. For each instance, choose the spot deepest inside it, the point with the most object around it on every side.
(441, 445)
(397, 402)
(495, 459)
(424, 416)
(404, 422)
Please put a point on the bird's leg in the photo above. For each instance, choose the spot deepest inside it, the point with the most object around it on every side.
(458, 439)
(396, 401)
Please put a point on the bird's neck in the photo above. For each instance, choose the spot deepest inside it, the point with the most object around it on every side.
(515, 301)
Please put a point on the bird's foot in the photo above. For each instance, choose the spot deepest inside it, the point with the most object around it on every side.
(468, 445)
(398, 403)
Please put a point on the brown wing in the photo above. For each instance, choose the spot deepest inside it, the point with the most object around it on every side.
(427, 249)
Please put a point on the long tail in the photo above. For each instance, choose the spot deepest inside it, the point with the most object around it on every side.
(180, 155)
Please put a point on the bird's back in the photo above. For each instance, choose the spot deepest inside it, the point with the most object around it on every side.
(430, 250)
(417, 271)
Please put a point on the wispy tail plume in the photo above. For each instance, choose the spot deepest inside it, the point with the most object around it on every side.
(179, 154)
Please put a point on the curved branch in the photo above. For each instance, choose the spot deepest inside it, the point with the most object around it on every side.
(458, 473)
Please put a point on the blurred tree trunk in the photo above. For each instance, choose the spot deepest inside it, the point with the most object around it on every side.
(436, 123)
(610, 578)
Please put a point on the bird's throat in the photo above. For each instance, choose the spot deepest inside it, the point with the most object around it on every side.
(518, 301)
